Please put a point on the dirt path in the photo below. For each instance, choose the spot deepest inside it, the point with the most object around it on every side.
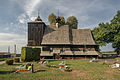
(2, 62)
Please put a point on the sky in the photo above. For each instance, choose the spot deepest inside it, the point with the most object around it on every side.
(14, 15)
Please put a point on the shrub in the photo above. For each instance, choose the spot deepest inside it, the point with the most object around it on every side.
(16, 60)
(9, 61)
(30, 54)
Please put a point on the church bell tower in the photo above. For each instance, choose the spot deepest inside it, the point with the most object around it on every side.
(35, 32)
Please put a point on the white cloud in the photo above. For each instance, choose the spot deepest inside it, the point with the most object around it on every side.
(22, 18)
(29, 7)
(89, 14)
(78, 8)
(108, 47)
(10, 39)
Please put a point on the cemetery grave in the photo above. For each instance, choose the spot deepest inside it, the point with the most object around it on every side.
(81, 69)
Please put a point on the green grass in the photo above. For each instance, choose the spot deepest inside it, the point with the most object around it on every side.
(117, 58)
(82, 70)
(2, 59)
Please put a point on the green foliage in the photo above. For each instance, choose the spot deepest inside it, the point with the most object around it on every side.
(52, 19)
(115, 30)
(72, 22)
(109, 33)
(101, 34)
(23, 54)
(16, 59)
(3, 59)
(62, 22)
(30, 54)
(9, 61)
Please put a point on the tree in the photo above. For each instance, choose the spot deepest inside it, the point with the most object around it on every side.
(115, 30)
(62, 22)
(52, 19)
(72, 22)
(109, 33)
(101, 34)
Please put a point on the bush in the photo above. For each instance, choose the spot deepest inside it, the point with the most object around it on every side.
(9, 61)
(30, 54)
(16, 60)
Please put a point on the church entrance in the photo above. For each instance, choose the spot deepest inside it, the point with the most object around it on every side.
(56, 56)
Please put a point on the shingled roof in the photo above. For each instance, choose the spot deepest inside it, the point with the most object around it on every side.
(82, 36)
(64, 35)
(58, 36)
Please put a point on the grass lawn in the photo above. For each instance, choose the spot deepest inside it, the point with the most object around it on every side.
(117, 58)
(2, 59)
(82, 70)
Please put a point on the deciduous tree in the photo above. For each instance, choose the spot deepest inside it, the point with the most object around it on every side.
(109, 33)
(62, 22)
(72, 22)
(52, 19)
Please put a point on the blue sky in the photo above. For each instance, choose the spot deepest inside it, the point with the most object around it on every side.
(14, 15)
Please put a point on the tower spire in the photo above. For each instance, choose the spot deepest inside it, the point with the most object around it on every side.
(58, 20)
(38, 18)
(58, 12)
(38, 13)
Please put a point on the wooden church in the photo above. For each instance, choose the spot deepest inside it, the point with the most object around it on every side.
(57, 41)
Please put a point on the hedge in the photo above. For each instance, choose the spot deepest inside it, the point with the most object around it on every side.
(9, 61)
(16, 60)
(30, 54)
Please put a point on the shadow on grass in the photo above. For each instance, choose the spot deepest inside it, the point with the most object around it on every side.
(17, 64)
(4, 72)
(68, 64)
(39, 71)
(53, 60)
(107, 57)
